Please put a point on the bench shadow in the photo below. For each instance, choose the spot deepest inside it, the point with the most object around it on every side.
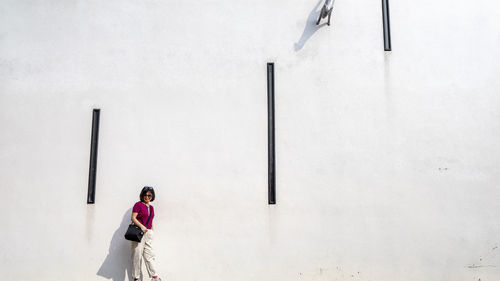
(118, 262)
(310, 27)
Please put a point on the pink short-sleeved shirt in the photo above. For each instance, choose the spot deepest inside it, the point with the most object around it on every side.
(142, 214)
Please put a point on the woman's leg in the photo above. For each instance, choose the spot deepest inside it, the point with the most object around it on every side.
(137, 250)
(149, 255)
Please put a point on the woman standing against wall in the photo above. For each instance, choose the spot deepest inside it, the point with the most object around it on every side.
(144, 249)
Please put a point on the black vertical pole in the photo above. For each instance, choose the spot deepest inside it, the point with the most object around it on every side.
(93, 156)
(270, 135)
(387, 25)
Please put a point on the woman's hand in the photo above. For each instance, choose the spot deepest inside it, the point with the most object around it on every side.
(136, 222)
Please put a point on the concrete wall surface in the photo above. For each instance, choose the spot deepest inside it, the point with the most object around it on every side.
(387, 162)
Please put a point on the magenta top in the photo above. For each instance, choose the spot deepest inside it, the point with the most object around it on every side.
(142, 214)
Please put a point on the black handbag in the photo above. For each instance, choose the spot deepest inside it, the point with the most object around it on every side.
(134, 233)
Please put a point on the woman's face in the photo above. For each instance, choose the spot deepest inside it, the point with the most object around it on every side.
(147, 197)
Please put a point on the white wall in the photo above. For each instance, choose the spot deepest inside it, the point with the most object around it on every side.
(387, 163)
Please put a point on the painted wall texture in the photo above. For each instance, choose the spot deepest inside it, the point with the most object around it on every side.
(387, 162)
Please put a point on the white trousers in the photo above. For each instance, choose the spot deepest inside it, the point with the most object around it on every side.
(143, 249)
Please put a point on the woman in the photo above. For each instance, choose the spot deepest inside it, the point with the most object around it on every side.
(140, 214)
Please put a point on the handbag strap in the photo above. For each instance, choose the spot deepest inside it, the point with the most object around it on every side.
(150, 212)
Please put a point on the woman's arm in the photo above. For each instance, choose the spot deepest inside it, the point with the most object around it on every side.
(137, 222)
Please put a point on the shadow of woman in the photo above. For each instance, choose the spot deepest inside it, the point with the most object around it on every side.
(118, 262)
(310, 27)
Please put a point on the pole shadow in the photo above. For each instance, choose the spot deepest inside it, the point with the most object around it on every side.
(310, 27)
(118, 262)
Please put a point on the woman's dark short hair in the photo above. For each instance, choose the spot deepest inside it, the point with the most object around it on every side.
(144, 191)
